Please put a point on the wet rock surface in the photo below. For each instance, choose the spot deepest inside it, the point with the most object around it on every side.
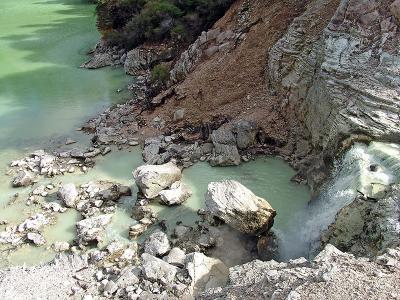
(367, 226)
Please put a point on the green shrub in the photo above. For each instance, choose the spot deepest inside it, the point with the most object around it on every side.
(160, 74)
(134, 22)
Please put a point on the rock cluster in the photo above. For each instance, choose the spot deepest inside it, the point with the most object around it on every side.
(27, 231)
(331, 275)
(118, 271)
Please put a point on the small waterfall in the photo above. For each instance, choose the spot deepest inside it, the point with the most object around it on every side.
(351, 174)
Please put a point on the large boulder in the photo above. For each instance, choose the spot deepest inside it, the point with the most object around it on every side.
(177, 194)
(246, 133)
(152, 179)
(225, 149)
(68, 194)
(239, 207)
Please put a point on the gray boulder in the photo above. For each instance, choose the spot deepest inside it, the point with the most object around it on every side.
(157, 244)
(176, 257)
(177, 194)
(206, 272)
(239, 207)
(225, 149)
(152, 179)
(22, 179)
(68, 194)
(246, 133)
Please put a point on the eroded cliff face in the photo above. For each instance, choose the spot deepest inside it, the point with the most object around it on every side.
(341, 81)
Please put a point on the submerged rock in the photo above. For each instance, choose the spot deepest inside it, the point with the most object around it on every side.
(61, 246)
(152, 179)
(177, 194)
(237, 206)
(99, 60)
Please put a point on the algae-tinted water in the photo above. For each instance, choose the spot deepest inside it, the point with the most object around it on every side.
(45, 96)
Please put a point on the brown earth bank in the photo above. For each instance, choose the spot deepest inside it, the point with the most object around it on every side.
(314, 76)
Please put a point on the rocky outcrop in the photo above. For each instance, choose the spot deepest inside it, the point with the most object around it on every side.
(340, 77)
(239, 207)
(99, 60)
(152, 179)
(367, 226)
(331, 275)
(139, 60)
(206, 45)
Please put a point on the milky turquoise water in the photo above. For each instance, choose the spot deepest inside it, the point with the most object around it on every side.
(45, 96)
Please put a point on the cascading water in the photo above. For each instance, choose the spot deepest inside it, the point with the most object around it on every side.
(360, 168)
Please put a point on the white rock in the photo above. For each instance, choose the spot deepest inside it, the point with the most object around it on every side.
(68, 193)
(36, 238)
(152, 179)
(157, 244)
(177, 194)
(206, 272)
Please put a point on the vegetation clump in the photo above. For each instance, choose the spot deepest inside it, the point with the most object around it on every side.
(130, 23)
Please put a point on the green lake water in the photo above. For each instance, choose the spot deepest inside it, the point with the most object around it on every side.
(45, 96)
